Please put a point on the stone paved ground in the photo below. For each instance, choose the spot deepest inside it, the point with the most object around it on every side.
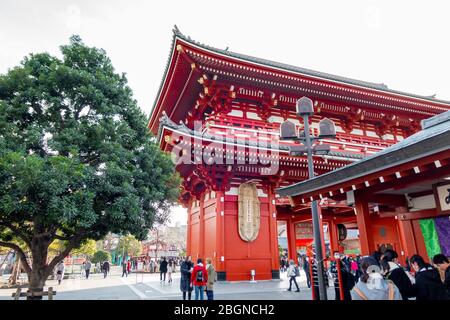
(148, 286)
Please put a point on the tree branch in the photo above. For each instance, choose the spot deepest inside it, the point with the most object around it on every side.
(73, 242)
(17, 231)
(21, 254)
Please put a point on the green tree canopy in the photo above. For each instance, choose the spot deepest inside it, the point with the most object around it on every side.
(101, 256)
(76, 158)
(129, 245)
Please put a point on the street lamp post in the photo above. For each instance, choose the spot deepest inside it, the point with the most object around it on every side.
(326, 130)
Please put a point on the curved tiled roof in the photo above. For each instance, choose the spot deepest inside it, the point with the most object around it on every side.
(166, 121)
(287, 67)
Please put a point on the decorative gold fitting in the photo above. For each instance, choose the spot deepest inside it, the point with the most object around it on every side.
(179, 47)
(168, 139)
(193, 65)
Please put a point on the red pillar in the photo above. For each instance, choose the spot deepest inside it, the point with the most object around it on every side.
(363, 220)
(407, 240)
(292, 248)
(273, 230)
(220, 235)
(189, 229)
(324, 251)
(334, 238)
(201, 244)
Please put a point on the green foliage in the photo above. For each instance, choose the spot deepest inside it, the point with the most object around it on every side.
(129, 245)
(76, 157)
(101, 256)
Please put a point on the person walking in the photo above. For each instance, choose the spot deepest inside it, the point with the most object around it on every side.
(443, 265)
(170, 267)
(199, 278)
(105, 267)
(185, 281)
(292, 273)
(305, 264)
(60, 267)
(212, 277)
(163, 269)
(128, 267)
(87, 268)
(394, 271)
(428, 284)
(372, 285)
(124, 268)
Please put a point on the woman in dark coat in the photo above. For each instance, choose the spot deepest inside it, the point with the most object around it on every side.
(185, 282)
(394, 271)
(428, 284)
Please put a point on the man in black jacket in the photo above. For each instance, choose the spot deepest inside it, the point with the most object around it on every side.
(428, 284)
(163, 270)
(443, 264)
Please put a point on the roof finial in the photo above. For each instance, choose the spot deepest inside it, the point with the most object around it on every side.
(175, 29)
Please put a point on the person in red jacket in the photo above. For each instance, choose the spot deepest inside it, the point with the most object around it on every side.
(199, 278)
(129, 267)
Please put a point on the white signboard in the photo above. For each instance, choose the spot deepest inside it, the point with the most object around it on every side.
(443, 194)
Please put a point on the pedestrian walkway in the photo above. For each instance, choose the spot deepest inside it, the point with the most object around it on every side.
(148, 286)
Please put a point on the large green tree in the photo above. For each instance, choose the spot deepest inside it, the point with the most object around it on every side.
(76, 158)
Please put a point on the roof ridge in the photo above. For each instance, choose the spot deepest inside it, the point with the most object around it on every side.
(309, 72)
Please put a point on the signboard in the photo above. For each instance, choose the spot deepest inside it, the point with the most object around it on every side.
(304, 230)
(442, 195)
(249, 212)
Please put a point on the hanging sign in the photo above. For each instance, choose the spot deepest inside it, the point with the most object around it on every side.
(342, 232)
(249, 212)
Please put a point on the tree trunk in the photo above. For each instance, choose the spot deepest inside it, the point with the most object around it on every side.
(39, 272)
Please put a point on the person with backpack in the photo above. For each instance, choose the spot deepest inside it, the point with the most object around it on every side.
(428, 284)
(394, 271)
(372, 285)
(199, 279)
(292, 273)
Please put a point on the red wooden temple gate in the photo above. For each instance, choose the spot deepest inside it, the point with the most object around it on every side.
(219, 112)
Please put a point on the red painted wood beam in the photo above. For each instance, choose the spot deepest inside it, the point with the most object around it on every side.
(363, 221)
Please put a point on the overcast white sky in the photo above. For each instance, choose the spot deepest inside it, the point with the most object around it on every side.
(404, 44)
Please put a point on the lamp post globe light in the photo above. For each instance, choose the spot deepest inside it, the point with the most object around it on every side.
(327, 129)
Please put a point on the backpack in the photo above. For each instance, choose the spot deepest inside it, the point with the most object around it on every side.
(199, 276)
(297, 271)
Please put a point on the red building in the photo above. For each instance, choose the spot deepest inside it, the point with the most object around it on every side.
(401, 195)
(219, 113)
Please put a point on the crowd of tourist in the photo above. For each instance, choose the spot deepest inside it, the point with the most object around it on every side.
(376, 277)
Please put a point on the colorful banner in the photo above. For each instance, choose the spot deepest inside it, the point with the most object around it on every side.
(442, 225)
(431, 237)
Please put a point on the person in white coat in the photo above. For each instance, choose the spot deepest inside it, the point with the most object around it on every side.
(60, 271)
